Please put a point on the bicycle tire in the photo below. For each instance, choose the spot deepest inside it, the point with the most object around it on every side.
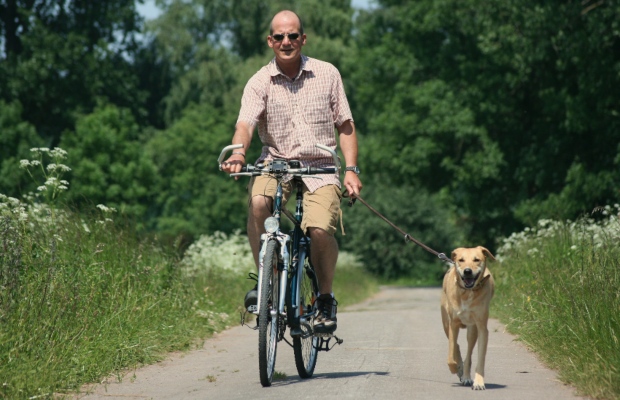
(267, 320)
(306, 345)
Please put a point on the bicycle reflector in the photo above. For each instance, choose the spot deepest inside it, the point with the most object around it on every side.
(271, 224)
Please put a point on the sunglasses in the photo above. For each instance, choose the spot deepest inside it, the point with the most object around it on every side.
(278, 37)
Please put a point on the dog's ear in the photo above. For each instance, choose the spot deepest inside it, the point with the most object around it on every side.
(486, 252)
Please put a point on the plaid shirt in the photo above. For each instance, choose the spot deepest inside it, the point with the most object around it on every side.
(293, 115)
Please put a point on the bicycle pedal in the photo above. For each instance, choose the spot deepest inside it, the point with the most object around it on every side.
(252, 309)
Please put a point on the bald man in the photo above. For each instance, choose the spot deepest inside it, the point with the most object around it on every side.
(296, 102)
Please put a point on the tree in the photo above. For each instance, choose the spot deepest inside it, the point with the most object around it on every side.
(61, 56)
(502, 107)
(193, 196)
(108, 163)
(17, 137)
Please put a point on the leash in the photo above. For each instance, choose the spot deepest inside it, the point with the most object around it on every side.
(407, 236)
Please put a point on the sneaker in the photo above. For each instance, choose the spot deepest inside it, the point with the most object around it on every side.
(326, 321)
(251, 298)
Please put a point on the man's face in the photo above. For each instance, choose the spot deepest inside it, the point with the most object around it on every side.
(287, 49)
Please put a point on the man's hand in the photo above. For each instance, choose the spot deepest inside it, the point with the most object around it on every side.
(352, 183)
(233, 164)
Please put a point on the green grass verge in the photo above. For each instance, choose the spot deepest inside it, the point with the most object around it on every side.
(557, 289)
(82, 300)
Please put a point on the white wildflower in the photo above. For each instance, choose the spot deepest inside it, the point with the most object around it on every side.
(106, 209)
(58, 153)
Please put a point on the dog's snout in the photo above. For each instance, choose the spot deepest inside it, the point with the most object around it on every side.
(468, 272)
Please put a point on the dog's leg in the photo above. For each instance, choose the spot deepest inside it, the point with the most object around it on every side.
(472, 336)
(455, 363)
(483, 334)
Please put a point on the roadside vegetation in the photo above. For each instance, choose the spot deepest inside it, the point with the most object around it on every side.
(557, 290)
(475, 121)
(83, 297)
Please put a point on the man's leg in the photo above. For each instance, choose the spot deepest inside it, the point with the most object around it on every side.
(324, 253)
(321, 214)
(259, 208)
(258, 211)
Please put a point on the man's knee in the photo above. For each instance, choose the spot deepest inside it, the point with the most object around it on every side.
(259, 206)
(320, 235)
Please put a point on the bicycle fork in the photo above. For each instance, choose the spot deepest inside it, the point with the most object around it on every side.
(283, 240)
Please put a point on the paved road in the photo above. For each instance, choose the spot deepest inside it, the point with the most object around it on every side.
(394, 348)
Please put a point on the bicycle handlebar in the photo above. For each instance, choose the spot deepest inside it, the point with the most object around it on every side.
(259, 169)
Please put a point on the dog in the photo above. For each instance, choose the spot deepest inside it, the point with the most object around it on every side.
(465, 299)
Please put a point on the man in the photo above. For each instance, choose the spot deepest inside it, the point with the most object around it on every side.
(296, 101)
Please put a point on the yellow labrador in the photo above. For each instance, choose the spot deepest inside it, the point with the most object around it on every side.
(467, 291)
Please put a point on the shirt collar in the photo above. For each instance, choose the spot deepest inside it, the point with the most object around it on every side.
(274, 70)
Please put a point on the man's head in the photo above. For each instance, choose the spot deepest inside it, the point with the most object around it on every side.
(286, 37)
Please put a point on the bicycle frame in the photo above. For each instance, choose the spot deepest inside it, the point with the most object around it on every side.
(287, 255)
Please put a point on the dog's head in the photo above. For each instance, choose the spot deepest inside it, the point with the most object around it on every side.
(470, 264)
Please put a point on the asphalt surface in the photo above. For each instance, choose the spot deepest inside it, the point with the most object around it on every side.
(394, 348)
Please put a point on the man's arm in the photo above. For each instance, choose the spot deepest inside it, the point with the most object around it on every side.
(348, 146)
(243, 135)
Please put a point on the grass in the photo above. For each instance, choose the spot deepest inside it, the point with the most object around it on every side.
(557, 289)
(82, 298)
(76, 306)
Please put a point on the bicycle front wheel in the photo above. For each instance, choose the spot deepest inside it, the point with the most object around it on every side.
(306, 345)
(268, 316)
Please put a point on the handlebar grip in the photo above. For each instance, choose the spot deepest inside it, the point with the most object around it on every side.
(324, 170)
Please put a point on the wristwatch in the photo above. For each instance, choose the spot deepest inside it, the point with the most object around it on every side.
(353, 168)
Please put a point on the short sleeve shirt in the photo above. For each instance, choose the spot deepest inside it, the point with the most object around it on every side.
(292, 115)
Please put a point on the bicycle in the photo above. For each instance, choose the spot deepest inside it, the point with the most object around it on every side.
(287, 282)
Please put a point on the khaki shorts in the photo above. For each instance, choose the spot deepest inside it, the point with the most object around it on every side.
(321, 207)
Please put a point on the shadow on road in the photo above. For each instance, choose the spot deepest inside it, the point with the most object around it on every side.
(330, 375)
(488, 386)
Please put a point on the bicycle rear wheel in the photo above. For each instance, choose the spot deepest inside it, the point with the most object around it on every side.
(268, 316)
(306, 345)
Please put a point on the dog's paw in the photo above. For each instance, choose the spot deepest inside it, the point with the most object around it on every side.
(466, 381)
(478, 383)
(456, 369)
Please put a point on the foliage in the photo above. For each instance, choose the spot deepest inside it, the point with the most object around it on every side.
(381, 248)
(495, 104)
(219, 252)
(81, 296)
(17, 137)
(558, 290)
(110, 166)
(491, 116)
(59, 58)
(52, 173)
(194, 196)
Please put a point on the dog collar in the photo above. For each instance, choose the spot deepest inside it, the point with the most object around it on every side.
(477, 286)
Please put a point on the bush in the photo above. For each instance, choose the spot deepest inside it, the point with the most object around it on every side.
(558, 290)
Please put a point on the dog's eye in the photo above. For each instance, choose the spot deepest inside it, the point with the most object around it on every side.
(476, 259)
(461, 259)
